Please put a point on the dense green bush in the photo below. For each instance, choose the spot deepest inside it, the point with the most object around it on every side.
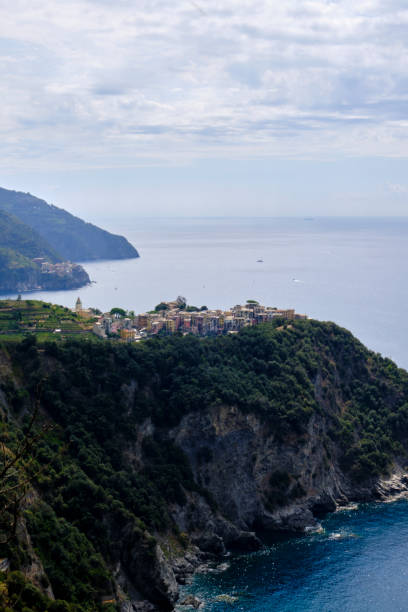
(97, 485)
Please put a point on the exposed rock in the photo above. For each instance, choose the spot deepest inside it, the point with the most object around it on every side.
(137, 606)
(191, 601)
(293, 518)
(210, 542)
(392, 488)
(151, 573)
(183, 569)
(242, 454)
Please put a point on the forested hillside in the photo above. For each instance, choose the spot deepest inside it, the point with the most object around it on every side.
(21, 238)
(154, 455)
(72, 238)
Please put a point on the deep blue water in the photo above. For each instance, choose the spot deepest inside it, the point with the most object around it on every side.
(351, 271)
(358, 564)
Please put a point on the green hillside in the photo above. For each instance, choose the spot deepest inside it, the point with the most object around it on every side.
(72, 238)
(20, 246)
(22, 239)
(153, 445)
(19, 317)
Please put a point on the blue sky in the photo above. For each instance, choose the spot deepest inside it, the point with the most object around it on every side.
(205, 107)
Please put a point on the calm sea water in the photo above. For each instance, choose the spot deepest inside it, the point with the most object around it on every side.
(358, 564)
(351, 271)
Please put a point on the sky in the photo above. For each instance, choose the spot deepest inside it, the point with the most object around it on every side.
(206, 107)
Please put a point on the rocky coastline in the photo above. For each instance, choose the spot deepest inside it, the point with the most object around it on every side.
(240, 451)
(210, 553)
(179, 464)
(72, 276)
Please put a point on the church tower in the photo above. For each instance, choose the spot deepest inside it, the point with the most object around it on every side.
(78, 306)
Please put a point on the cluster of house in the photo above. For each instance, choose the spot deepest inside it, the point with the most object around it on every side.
(171, 317)
(60, 269)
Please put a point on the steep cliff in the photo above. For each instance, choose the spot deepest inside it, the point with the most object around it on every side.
(167, 454)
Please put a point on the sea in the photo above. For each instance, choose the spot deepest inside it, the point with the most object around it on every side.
(348, 270)
(357, 563)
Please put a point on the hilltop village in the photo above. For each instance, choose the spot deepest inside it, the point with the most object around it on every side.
(21, 317)
(177, 316)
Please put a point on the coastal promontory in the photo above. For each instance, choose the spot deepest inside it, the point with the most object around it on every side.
(151, 459)
(39, 242)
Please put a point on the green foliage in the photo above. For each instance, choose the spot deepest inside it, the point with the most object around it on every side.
(23, 239)
(77, 573)
(18, 317)
(19, 595)
(72, 238)
(118, 311)
(161, 306)
(104, 486)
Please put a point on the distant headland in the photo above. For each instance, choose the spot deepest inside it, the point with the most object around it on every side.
(39, 242)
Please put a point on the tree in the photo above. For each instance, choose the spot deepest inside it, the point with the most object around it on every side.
(15, 477)
(118, 311)
(161, 306)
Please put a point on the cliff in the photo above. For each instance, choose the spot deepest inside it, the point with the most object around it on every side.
(167, 454)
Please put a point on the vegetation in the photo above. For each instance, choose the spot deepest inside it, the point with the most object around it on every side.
(161, 306)
(118, 311)
(20, 246)
(47, 321)
(99, 489)
(21, 238)
(17, 594)
(69, 236)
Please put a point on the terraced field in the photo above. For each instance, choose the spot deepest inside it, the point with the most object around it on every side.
(19, 317)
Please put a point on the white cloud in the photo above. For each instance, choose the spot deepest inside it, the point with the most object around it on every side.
(93, 83)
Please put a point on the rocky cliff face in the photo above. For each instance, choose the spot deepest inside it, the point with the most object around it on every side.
(258, 480)
(179, 450)
(260, 484)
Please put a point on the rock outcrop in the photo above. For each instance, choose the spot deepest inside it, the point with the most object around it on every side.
(172, 463)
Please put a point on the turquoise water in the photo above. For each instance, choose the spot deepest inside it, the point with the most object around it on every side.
(359, 563)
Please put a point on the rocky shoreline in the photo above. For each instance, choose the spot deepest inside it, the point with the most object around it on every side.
(214, 558)
(232, 456)
(33, 279)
